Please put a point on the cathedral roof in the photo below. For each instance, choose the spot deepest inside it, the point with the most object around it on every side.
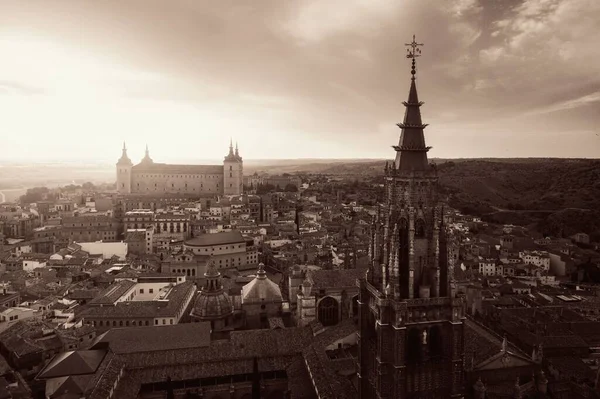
(261, 289)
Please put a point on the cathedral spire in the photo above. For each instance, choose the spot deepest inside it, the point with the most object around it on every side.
(411, 151)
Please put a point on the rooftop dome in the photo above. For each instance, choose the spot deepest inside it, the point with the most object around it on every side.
(212, 302)
(261, 289)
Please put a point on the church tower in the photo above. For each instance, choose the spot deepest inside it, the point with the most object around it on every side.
(410, 324)
(233, 172)
(124, 166)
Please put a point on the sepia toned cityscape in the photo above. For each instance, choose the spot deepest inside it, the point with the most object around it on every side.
(245, 200)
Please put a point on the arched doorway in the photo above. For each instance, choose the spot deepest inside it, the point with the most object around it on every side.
(328, 311)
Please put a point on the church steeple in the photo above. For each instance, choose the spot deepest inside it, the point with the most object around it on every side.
(411, 151)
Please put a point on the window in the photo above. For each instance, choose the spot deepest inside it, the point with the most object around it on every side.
(151, 290)
(155, 322)
(328, 311)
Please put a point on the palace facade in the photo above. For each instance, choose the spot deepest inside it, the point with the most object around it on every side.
(152, 178)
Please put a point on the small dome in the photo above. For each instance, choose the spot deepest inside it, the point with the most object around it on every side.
(212, 302)
(211, 306)
(261, 289)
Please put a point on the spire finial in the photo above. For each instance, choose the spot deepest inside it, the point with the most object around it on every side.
(413, 52)
(147, 151)
(124, 146)
(237, 153)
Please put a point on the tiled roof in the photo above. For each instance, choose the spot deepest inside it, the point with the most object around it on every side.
(113, 292)
(242, 345)
(261, 288)
(322, 279)
(328, 385)
(571, 367)
(177, 169)
(481, 344)
(329, 335)
(226, 237)
(73, 363)
(146, 339)
(145, 309)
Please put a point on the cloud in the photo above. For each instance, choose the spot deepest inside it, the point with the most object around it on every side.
(569, 104)
(8, 88)
(301, 71)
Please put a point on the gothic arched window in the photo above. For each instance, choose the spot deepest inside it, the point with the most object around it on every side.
(328, 310)
(420, 228)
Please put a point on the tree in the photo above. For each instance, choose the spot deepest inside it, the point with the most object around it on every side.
(88, 186)
(291, 188)
(35, 194)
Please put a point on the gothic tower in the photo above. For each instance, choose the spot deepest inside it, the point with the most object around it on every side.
(124, 166)
(233, 172)
(410, 324)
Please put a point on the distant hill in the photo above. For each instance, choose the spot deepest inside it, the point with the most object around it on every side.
(560, 196)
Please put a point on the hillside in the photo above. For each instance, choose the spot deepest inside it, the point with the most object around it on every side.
(560, 196)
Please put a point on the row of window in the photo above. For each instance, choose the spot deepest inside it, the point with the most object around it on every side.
(127, 323)
(167, 176)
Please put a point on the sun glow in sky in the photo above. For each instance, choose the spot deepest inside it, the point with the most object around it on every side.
(287, 80)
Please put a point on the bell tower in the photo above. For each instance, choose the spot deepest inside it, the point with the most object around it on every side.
(233, 172)
(410, 324)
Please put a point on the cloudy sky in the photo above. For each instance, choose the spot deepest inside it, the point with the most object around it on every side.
(296, 79)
